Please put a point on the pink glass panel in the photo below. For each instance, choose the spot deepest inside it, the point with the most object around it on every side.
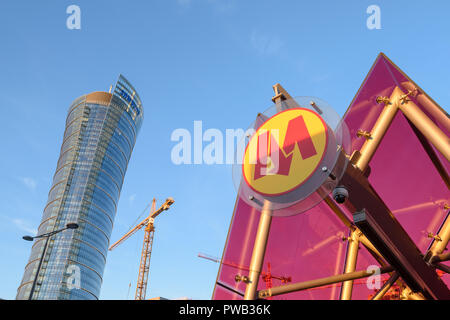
(309, 245)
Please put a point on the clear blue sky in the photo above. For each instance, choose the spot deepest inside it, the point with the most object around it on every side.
(209, 60)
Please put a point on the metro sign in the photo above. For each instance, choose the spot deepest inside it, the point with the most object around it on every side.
(285, 151)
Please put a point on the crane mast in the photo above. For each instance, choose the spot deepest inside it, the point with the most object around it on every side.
(144, 266)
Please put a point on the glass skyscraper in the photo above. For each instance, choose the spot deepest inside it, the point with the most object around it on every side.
(100, 134)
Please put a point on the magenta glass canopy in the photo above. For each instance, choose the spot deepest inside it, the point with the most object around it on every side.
(309, 245)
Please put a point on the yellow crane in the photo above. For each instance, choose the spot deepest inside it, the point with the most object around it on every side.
(144, 266)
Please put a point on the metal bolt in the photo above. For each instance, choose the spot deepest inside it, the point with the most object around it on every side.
(365, 134)
(314, 105)
(435, 237)
(384, 100)
(332, 176)
(239, 278)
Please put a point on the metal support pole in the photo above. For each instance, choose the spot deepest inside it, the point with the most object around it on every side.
(398, 248)
(432, 154)
(259, 250)
(426, 126)
(442, 267)
(362, 238)
(385, 288)
(440, 257)
(379, 130)
(38, 269)
(341, 215)
(319, 282)
(371, 248)
(441, 242)
(352, 249)
(361, 160)
(431, 107)
(350, 264)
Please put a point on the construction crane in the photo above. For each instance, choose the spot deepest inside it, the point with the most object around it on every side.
(148, 223)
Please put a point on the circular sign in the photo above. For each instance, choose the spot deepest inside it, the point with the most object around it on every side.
(285, 151)
(292, 156)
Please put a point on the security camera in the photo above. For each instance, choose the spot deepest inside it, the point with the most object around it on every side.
(340, 194)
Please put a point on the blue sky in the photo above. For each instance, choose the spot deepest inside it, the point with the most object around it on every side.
(209, 60)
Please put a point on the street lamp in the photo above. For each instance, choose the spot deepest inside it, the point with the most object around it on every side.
(47, 236)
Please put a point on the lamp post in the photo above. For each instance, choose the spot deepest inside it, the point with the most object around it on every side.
(47, 236)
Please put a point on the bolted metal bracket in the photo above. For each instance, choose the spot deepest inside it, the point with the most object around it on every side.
(346, 239)
(385, 100)
(361, 133)
(278, 96)
(239, 278)
(404, 98)
(434, 236)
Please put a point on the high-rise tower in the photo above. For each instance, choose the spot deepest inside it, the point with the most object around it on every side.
(100, 134)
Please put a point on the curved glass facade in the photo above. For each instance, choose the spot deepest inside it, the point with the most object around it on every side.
(100, 134)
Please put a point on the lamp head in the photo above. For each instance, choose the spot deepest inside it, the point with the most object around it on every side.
(72, 226)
